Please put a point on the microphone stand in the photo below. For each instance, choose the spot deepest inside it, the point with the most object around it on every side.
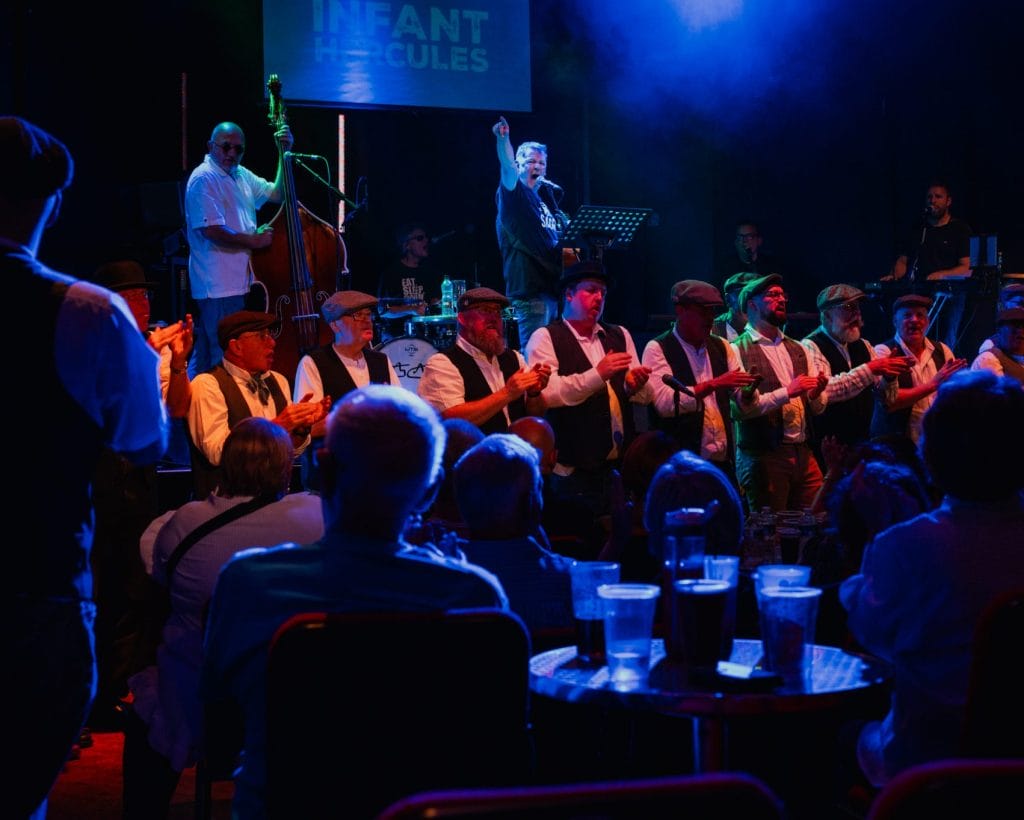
(342, 274)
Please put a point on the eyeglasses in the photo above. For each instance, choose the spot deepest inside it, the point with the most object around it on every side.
(360, 316)
(418, 237)
(228, 147)
(263, 334)
(849, 308)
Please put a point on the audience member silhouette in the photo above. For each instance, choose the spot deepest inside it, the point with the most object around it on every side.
(382, 462)
(83, 356)
(249, 509)
(923, 583)
(499, 491)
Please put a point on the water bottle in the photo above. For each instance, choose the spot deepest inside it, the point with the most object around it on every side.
(447, 297)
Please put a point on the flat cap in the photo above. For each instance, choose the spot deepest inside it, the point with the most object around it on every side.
(125, 274)
(474, 296)
(908, 300)
(345, 302)
(838, 295)
(759, 285)
(33, 163)
(1010, 315)
(695, 292)
(738, 280)
(591, 269)
(243, 321)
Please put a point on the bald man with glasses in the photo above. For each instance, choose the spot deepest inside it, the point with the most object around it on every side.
(221, 200)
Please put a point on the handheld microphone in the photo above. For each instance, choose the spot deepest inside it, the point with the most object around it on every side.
(671, 381)
(295, 155)
(554, 185)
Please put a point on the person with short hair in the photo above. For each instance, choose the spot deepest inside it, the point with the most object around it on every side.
(529, 226)
(1006, 356)
(930, 365)
(699, 419)
(480, 378)
(381, 465)
(775, 464)
(165, 723)
(924, 583)
(1010, 296)
(82, 355)
(243, 385)
(498, 487)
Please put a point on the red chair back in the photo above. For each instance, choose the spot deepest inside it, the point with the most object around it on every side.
(952, 788)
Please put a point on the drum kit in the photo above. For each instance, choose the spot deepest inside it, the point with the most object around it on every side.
(408, 338)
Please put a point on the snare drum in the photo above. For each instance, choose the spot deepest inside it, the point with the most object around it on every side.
(440, 331)
(408, 356)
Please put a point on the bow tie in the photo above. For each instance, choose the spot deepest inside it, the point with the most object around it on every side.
(258, 386)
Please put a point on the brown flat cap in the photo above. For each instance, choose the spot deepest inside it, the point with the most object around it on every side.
(695, 292)
(33, 163)
(125, 274)
(759, 285)
(838, 295)
(475, 296)
(908, 300)
(345, 302)
(243, 321)
(738, 280)
(591, 269)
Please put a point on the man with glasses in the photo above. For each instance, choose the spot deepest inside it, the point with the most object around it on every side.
(749, 257)
(404, 284)
(341, 367)
(243, 385)
(851, 365)
(774, 462)
(480, 378)
(221, 201)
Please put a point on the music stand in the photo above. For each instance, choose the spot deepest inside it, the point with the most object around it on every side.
(600, 227)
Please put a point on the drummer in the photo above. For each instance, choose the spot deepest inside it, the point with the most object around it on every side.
(404, 284)
(480, 378)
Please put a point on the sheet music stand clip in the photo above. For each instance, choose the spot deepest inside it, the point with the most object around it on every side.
(599, 227)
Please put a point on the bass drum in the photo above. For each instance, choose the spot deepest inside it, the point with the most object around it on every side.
(408, 355)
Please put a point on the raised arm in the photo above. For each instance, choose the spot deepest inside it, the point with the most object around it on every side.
(506, 156)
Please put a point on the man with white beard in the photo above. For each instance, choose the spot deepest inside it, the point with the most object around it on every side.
(852, 367)
(480, 378)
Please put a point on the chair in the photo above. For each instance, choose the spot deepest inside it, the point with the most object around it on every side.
(719, 794)
(958, 787)
(994, 713)
(364, 708)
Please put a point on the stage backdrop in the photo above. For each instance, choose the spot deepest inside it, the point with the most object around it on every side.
(473, 54)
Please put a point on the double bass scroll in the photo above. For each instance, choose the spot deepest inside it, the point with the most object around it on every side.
(299, 269)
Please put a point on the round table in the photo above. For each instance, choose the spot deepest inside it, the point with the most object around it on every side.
(838, 679)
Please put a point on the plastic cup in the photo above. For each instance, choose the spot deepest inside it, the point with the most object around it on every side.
(628, 624)
(587, 608)
(726, 568)
(695, 635)
(781, 575)
(788, 617)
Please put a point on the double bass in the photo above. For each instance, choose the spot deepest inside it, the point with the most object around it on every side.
(301, 267)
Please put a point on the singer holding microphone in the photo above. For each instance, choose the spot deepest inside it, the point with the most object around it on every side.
(529, 226)
(693, 374)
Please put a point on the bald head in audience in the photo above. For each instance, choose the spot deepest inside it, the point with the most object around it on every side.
(536, 431)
